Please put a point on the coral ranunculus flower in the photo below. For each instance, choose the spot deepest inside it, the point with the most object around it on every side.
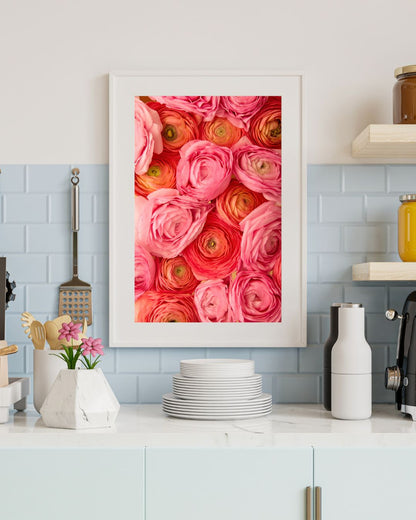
(240, 109)
(205, 106)
(215, 252)
(166, 222)
(147, 135)
(162, 307)
(236, 202)
(255, 297)
(161, 174)
(174, 274)
(144, 270)
(261, 241)
(221, 131)
(204, 170)
(258, 168)
(178, 127)
(211, 300)
(266, 125)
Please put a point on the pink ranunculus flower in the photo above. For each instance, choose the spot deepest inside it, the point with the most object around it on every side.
(211, 301)
(277, 271)
(262, 233)
(147, 136)
(255, 297)
(92, 346)
(204, 170)
(144, 270)
(166, 222)
(70, 331)
(258, 168)
(205, 106)
(240, 109)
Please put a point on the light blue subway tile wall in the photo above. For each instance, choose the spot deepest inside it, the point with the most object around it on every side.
(351, 219)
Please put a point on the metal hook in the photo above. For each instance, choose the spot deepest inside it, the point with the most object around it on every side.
(75, 178)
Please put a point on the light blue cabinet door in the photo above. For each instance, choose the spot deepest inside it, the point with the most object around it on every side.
(366, 484)
(71, 484)
(227, 484)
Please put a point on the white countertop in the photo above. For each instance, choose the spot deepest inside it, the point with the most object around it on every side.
(287, 425)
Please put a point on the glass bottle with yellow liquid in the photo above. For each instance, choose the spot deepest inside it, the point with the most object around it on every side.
(407, 228)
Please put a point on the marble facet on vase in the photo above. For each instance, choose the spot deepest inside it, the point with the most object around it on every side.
(80, 399)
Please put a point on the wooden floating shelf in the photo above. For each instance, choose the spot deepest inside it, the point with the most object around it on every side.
(384, 271)
(391, 141)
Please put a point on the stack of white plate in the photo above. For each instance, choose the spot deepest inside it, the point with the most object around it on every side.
(217, 389)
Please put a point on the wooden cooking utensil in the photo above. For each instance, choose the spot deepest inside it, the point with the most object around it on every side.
(52, 329)
(27, 319)
(52, 333)
(75, 296)
(37, 331)
(10, 349)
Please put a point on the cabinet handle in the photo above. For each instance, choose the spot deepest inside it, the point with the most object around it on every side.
(318, 503)
(309, 503)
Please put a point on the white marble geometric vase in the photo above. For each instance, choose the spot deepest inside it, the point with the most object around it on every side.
(80, 399)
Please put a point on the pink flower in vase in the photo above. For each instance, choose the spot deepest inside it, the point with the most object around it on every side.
(92, 346)
(70, 331)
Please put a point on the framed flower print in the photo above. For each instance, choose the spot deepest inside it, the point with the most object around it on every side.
(207, 210)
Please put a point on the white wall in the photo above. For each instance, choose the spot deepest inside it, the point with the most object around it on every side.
(55, 56)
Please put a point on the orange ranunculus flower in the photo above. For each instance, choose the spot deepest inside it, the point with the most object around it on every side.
(161, 174)
(163, 307)
(178, 127)
(215, 251)
(266, 125)
(236, 202)
(174, 274)
(220, 131)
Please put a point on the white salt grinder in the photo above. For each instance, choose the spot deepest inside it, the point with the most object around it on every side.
(351, 366)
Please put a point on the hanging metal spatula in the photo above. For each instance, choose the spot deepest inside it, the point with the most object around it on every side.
(75, 296)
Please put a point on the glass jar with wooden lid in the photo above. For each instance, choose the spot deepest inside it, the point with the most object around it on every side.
(407, 228)
(404, 95)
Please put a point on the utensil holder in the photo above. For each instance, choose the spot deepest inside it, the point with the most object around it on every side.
(45, 369)
(4, 372)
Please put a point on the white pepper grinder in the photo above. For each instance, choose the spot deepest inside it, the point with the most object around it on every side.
(351, 366)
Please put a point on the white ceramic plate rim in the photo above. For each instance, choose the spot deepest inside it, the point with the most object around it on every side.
(263, 398)
(227, 395)
(210, 380)
(217, 418)
(195, 411)
(218, 388)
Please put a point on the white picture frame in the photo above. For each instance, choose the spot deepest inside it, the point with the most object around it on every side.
(123, 331)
